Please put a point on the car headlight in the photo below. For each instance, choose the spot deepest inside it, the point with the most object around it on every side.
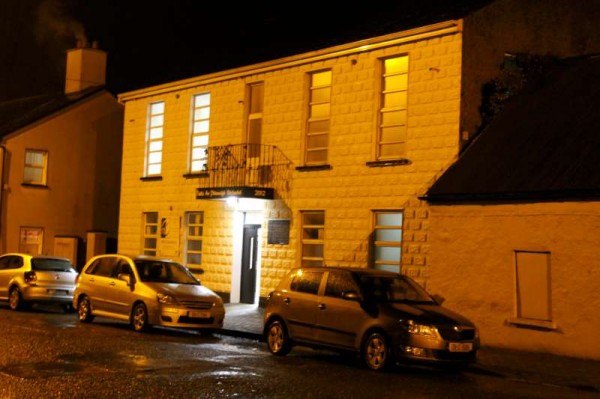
(422, 329)
(166, 299)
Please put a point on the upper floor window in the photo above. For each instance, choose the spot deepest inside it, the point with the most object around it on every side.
(317, 125)
(199, 132)
(150, 233)
(36, 164)
(154, 138)
(313, 238)
(254, 109)
(387, 240)
(391, 139)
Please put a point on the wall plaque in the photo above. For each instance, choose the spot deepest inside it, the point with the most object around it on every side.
(279, 231)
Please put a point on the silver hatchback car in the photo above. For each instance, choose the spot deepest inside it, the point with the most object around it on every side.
(383, 316)
(27, 279)
(146, 291)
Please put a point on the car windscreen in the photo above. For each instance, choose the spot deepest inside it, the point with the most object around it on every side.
(393, 289)
(164, 272)
(51, 265)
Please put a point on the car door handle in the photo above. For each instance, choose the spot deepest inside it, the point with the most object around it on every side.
(112, 284)
(322, 306)
(286, 300)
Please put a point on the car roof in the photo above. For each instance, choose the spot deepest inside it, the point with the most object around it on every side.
(29, 256)
(140, 257)
(353, 269)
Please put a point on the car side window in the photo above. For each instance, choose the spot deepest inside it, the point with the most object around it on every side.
(3, 262)
(338, 283)
(307, 282)
(13, 262)
(102, 267)
(122, 267)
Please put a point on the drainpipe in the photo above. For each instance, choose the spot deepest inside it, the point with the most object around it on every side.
(2, 238)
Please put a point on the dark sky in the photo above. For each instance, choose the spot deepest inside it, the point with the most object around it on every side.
(153, 42)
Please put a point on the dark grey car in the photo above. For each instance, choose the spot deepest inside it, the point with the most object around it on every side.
(385, 317)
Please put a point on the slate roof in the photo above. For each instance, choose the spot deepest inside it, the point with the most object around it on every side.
(543, 146)
(19, 113)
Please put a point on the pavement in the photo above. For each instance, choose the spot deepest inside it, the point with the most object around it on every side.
(246, 321)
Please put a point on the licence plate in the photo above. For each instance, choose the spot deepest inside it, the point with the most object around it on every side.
(460, 347)
(199, 315)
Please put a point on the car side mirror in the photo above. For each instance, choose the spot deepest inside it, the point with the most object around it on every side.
(438, 299)
(351, 296)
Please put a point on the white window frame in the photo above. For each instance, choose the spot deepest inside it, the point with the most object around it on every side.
(312, 236)
(31, 240)
(150, 231)
(154, 139)
(193, 233)
(318, 83)
(393, 111)
(199, 132)
(36, 168)
(387, 240)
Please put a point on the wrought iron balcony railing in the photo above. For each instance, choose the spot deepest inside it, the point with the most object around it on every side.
(238, 166)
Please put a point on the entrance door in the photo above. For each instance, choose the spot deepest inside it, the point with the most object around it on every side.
(249, 255)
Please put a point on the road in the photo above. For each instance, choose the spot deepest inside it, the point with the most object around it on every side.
(49, 354)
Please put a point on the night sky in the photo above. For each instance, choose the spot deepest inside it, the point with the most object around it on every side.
(153, 42)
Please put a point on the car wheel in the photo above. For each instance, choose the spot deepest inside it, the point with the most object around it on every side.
(84, 310)
(278, 340)
(139, 318)
(376, 352)
(15, 299)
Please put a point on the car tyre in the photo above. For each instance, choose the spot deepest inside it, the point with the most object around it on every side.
(15, 299)
(278, 340)
(139, 318)
(84, 310)
(377, 352)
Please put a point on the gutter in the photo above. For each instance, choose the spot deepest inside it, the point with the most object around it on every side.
(2, 238)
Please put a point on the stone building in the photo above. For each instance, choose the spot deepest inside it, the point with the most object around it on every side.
(321, 157)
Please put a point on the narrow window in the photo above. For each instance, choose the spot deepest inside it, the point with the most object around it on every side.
(313, 238)
(150, 233)
(154, 138)
(31, 240)
(255, 99)
(199, 132)
(194, 225)
(391, 142)
(533, 286)
(387, 240)
(317, 125)
(36, 163)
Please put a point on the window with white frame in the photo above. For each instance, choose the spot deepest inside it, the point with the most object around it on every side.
(318, 123)
(150, 233)
(387, 240)
(391, 141)
(532, 285)
(254, 109)
(194, 228)
(199, 132)
(154, 138)
(313, 238)
(31, 240)
(36, 165)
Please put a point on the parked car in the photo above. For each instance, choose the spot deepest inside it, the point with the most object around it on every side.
(384, 317)
(146, 291)
(27, 279)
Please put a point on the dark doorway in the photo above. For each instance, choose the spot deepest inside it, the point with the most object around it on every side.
(249, 255)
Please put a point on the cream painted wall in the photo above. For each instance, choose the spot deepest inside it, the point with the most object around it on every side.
(348, 192)
(472, 266)
(70, 204)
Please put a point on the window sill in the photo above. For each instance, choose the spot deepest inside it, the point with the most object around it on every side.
(389, 162)
(34, 185)
(532, 324)
(193, 175)
(151, 178)
(309, 168)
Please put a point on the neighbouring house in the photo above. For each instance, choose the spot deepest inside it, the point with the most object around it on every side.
(61, 165)
(515, 221)
(322, 158)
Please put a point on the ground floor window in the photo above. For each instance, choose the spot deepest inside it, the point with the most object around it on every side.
(313, 238)
(31, 240)
(533, 286)
(150, 233)
(194, 228)
(386, 242)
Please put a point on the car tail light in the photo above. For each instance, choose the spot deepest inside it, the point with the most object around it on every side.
(30, 277)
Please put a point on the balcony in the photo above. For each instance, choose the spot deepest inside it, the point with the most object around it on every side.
(244, 170)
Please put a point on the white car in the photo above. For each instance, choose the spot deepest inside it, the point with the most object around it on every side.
(27, 279)
(146, 291)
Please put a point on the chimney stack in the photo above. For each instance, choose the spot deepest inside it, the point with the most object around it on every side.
(86, 67)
